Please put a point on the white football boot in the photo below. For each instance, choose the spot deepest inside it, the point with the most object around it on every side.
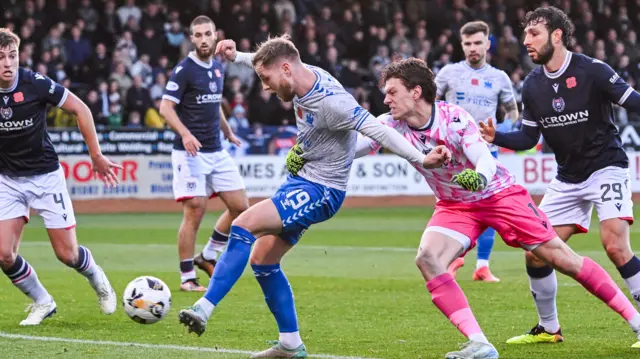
(106, 295)
(474, 350)
(39, 312)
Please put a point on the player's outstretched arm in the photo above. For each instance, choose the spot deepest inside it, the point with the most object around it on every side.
(168, 111)
(227, 48)
(342, 112)
(365, 145)
(525, 138)
(101, 164)
(390, 139)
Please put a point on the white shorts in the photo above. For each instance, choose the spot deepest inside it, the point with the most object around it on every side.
(47, 194)
(609, 189)
(204, 175)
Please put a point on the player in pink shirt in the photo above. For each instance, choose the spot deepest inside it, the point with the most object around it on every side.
(474, 191)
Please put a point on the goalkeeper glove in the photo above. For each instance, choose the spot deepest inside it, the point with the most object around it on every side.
(294, 160)
(470, 180)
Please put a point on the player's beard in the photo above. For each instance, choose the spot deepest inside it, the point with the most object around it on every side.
(475, 59)
(285, 91)
(204, 53)
(545, 54)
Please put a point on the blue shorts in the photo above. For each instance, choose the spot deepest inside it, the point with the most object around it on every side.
(302, 203)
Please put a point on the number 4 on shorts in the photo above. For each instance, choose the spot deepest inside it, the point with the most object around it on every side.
(57, 198)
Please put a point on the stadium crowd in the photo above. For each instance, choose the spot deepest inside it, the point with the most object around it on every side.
(117, 55)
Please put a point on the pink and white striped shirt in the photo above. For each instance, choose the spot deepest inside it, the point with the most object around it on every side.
(453, 127)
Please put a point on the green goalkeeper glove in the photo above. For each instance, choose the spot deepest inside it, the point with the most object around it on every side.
(470, 180)
(294, 160)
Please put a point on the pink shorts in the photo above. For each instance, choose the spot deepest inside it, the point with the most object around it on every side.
(511, 213)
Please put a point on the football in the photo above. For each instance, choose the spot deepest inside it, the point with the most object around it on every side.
(146, 300)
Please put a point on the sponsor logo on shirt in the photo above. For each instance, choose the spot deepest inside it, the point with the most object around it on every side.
(172, 86)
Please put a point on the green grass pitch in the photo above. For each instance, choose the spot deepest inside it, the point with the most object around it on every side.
(357, 290)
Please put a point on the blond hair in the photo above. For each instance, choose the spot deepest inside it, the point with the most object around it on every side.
(275, 48)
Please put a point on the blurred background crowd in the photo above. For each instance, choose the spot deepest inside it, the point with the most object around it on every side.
(117, 55)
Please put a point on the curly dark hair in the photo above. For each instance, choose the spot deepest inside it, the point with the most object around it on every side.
(412, 72)
(553, 19)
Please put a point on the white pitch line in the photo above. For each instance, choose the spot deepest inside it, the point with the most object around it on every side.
(153, 346)
(301, 246)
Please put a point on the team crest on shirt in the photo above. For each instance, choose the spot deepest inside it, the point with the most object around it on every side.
(6, 113)
(213, 86)
(558, 104)
(309, 119)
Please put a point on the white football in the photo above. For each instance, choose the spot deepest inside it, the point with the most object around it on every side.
(147, 300)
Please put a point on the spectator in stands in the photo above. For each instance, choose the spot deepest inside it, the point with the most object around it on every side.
(101, 63)
(57, 117)
(114, 119)
(129, 10)
(128, 49)
(143, 69)
(311, 55)
(53, 40)
(134, 120)
(162, 66)
(122, 78)
(90, 16)
(153, 118)
(238, 100)
(153, 18)
(262, 107)
(138, 98)
(263, 30)
(61, 13)
(282, 6)
(103, 95)
(151, 44)
(333, 34)
(332, 65)
(93, 102)
(239, 119)
(110, 24)
(349, 77)
(78, 51)
(114, 95)
(156, 91)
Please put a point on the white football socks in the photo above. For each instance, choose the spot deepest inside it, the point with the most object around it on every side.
(544, 295)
